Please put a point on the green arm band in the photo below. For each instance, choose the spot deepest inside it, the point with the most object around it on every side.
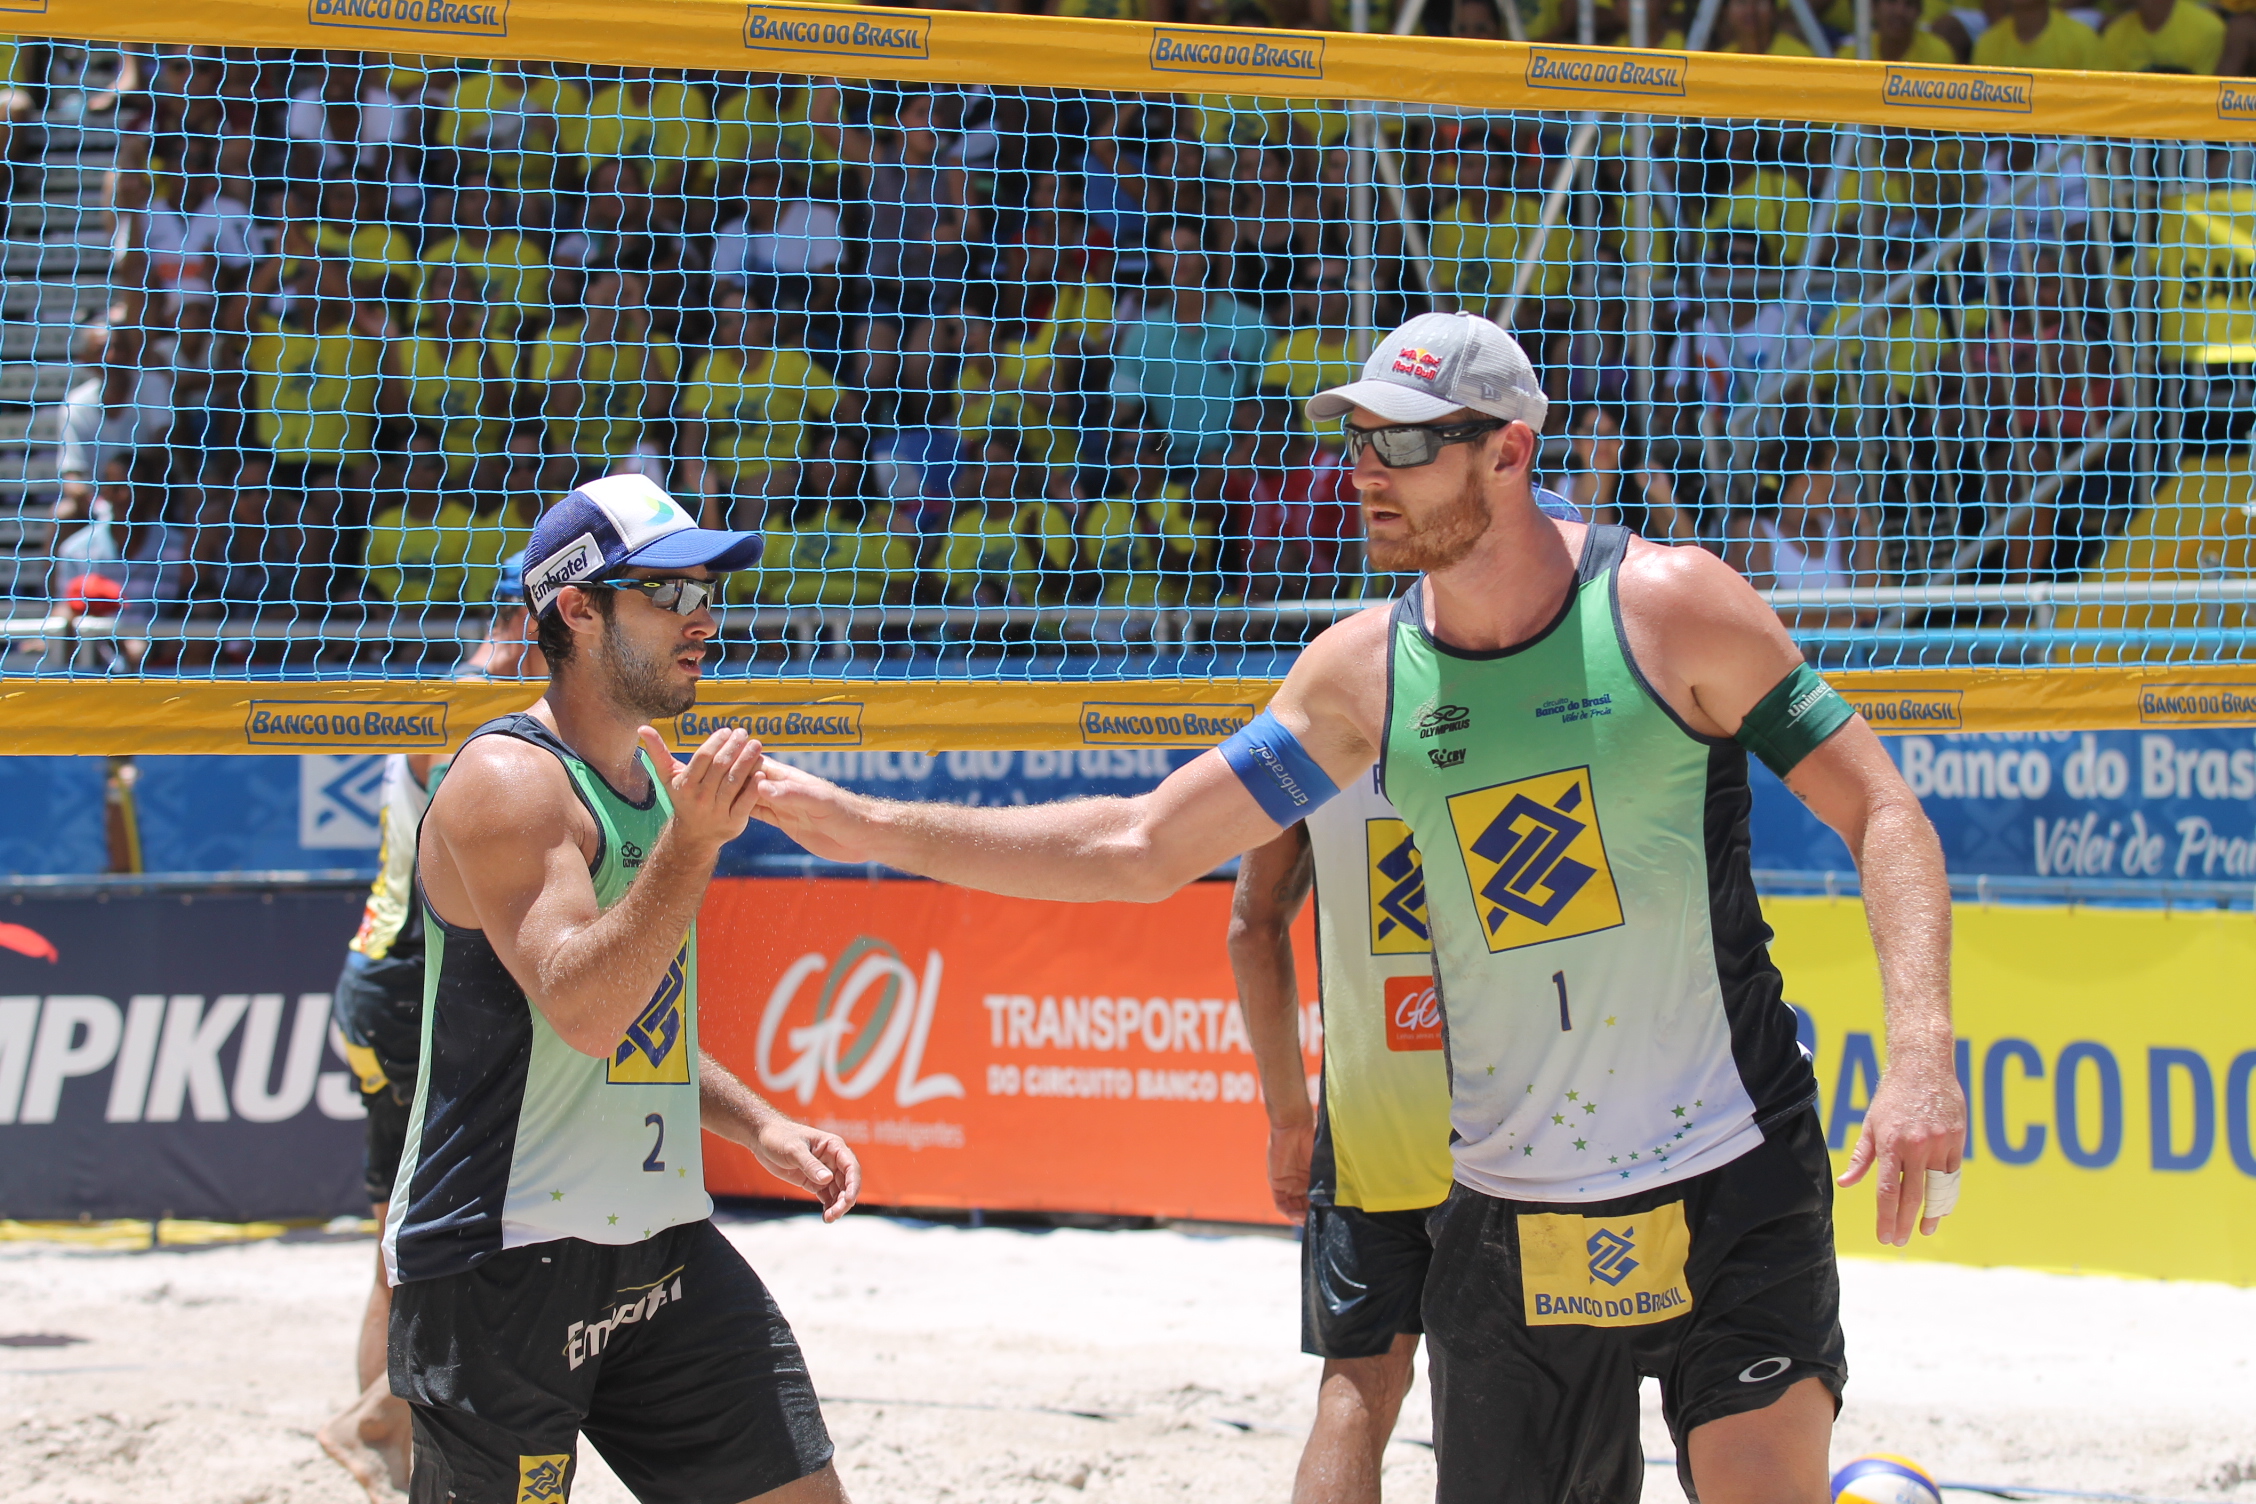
(1793, 720)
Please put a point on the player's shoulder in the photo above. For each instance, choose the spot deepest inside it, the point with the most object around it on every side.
(505, 780)
(1683, 577)
(1344, 653)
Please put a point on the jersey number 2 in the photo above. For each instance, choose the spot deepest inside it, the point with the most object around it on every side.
(653, 1163)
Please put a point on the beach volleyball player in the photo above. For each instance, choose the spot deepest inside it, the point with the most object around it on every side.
(554, 1269)
(1563, 715)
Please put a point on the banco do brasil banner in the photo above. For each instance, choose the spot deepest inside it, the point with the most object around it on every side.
(1009, 1054)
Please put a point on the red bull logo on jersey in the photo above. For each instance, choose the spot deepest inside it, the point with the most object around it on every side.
(1423, 365)
(1536, 859)
(1605, 1271)
(653, 1050)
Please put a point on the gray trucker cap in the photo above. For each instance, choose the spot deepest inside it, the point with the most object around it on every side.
(1436, 364)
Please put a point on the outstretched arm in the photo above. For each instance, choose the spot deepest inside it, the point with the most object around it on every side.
(1088, 850)
(1273, 883)
(815, 1161)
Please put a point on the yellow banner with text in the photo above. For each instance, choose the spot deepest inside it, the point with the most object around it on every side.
(120, 717)
(949, 46)
(2109, 1061)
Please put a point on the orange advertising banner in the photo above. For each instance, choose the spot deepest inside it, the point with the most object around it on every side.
(993, 1052)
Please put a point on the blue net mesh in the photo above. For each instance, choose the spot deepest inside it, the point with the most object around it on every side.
(297, 346)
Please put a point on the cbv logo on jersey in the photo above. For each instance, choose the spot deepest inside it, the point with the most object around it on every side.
(1397, 881)
(1535, 859)
(1605, 1271)
(651, 1051)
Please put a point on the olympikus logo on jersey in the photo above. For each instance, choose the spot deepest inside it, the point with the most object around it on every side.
(630, 855)
(1536, 859)
(1397, 877)
(652, 1051)
(586, 1339)
(1413, 1014)
(1444, 719)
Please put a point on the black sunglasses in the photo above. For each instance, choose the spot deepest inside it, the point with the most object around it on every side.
(1405, 446)
(682, 597)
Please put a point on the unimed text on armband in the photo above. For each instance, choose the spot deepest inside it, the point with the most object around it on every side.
(1284, 780)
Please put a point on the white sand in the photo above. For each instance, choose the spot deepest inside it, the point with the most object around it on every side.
(945, 1354)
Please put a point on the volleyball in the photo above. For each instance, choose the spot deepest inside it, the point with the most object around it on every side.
(1883, 1478)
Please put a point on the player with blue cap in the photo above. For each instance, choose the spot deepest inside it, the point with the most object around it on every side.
(555, 1271)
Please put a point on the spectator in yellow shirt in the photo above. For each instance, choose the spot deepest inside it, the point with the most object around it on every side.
(455, 376)
(1899, 36)
(983, 560)
(610, 376)
(1479, 241)
(658, 125)
(1318, 352)
(419, 539)
(1751, 28)
(314, 383)
(744, 415)
(2035, 35)
(513, 269)
(1764, 201)
(2174, 33)
(503, 124)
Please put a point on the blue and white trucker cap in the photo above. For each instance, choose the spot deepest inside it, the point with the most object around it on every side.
(1436, 364)
(621, 520)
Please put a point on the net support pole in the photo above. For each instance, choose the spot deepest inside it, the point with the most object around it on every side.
(1703, 26)
(1362, 209)
(1514, 27)
(1864, 31)
(1581, 144)
(1812, 32)
(1641, 321)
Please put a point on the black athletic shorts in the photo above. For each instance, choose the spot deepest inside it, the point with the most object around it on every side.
(379, 1006)
(1362, 1277)
(668, 1354)
(1542, 1317)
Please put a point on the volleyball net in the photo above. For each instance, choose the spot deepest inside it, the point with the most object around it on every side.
(999, 329)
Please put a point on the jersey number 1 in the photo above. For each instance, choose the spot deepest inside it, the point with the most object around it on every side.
(1566, 1020)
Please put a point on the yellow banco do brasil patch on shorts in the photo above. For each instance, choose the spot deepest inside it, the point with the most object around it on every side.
(1625, 1270)
(540, 1480)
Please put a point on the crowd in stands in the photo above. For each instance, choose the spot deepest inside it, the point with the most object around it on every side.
(1037, 347)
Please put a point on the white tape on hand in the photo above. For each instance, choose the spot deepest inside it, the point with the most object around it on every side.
(1942, 1193)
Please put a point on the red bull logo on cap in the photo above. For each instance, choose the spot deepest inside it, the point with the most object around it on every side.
(1421, 364)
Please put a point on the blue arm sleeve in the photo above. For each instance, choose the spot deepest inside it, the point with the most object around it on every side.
(1284, 780)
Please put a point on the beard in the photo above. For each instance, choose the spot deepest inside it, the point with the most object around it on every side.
(1442, 539)
(643, 682)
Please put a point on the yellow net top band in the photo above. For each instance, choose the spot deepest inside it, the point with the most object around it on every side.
(1052, 52)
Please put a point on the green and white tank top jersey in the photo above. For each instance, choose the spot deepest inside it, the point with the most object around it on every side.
(1382, 1134)
(1613, 1019)
(518, 1138)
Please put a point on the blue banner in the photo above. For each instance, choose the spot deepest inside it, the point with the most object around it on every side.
(2147, 805)
(54, 815)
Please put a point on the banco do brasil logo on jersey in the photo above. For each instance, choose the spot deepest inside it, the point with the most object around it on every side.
(1610, 1254)
(1397, 876)
(1535, 859)
(653, 1050)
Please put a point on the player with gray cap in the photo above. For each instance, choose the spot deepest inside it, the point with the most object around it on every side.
(1563, 715)
(555, 1271)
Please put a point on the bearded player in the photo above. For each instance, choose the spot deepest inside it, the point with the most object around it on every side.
(1563, 715)
(555, 1272)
